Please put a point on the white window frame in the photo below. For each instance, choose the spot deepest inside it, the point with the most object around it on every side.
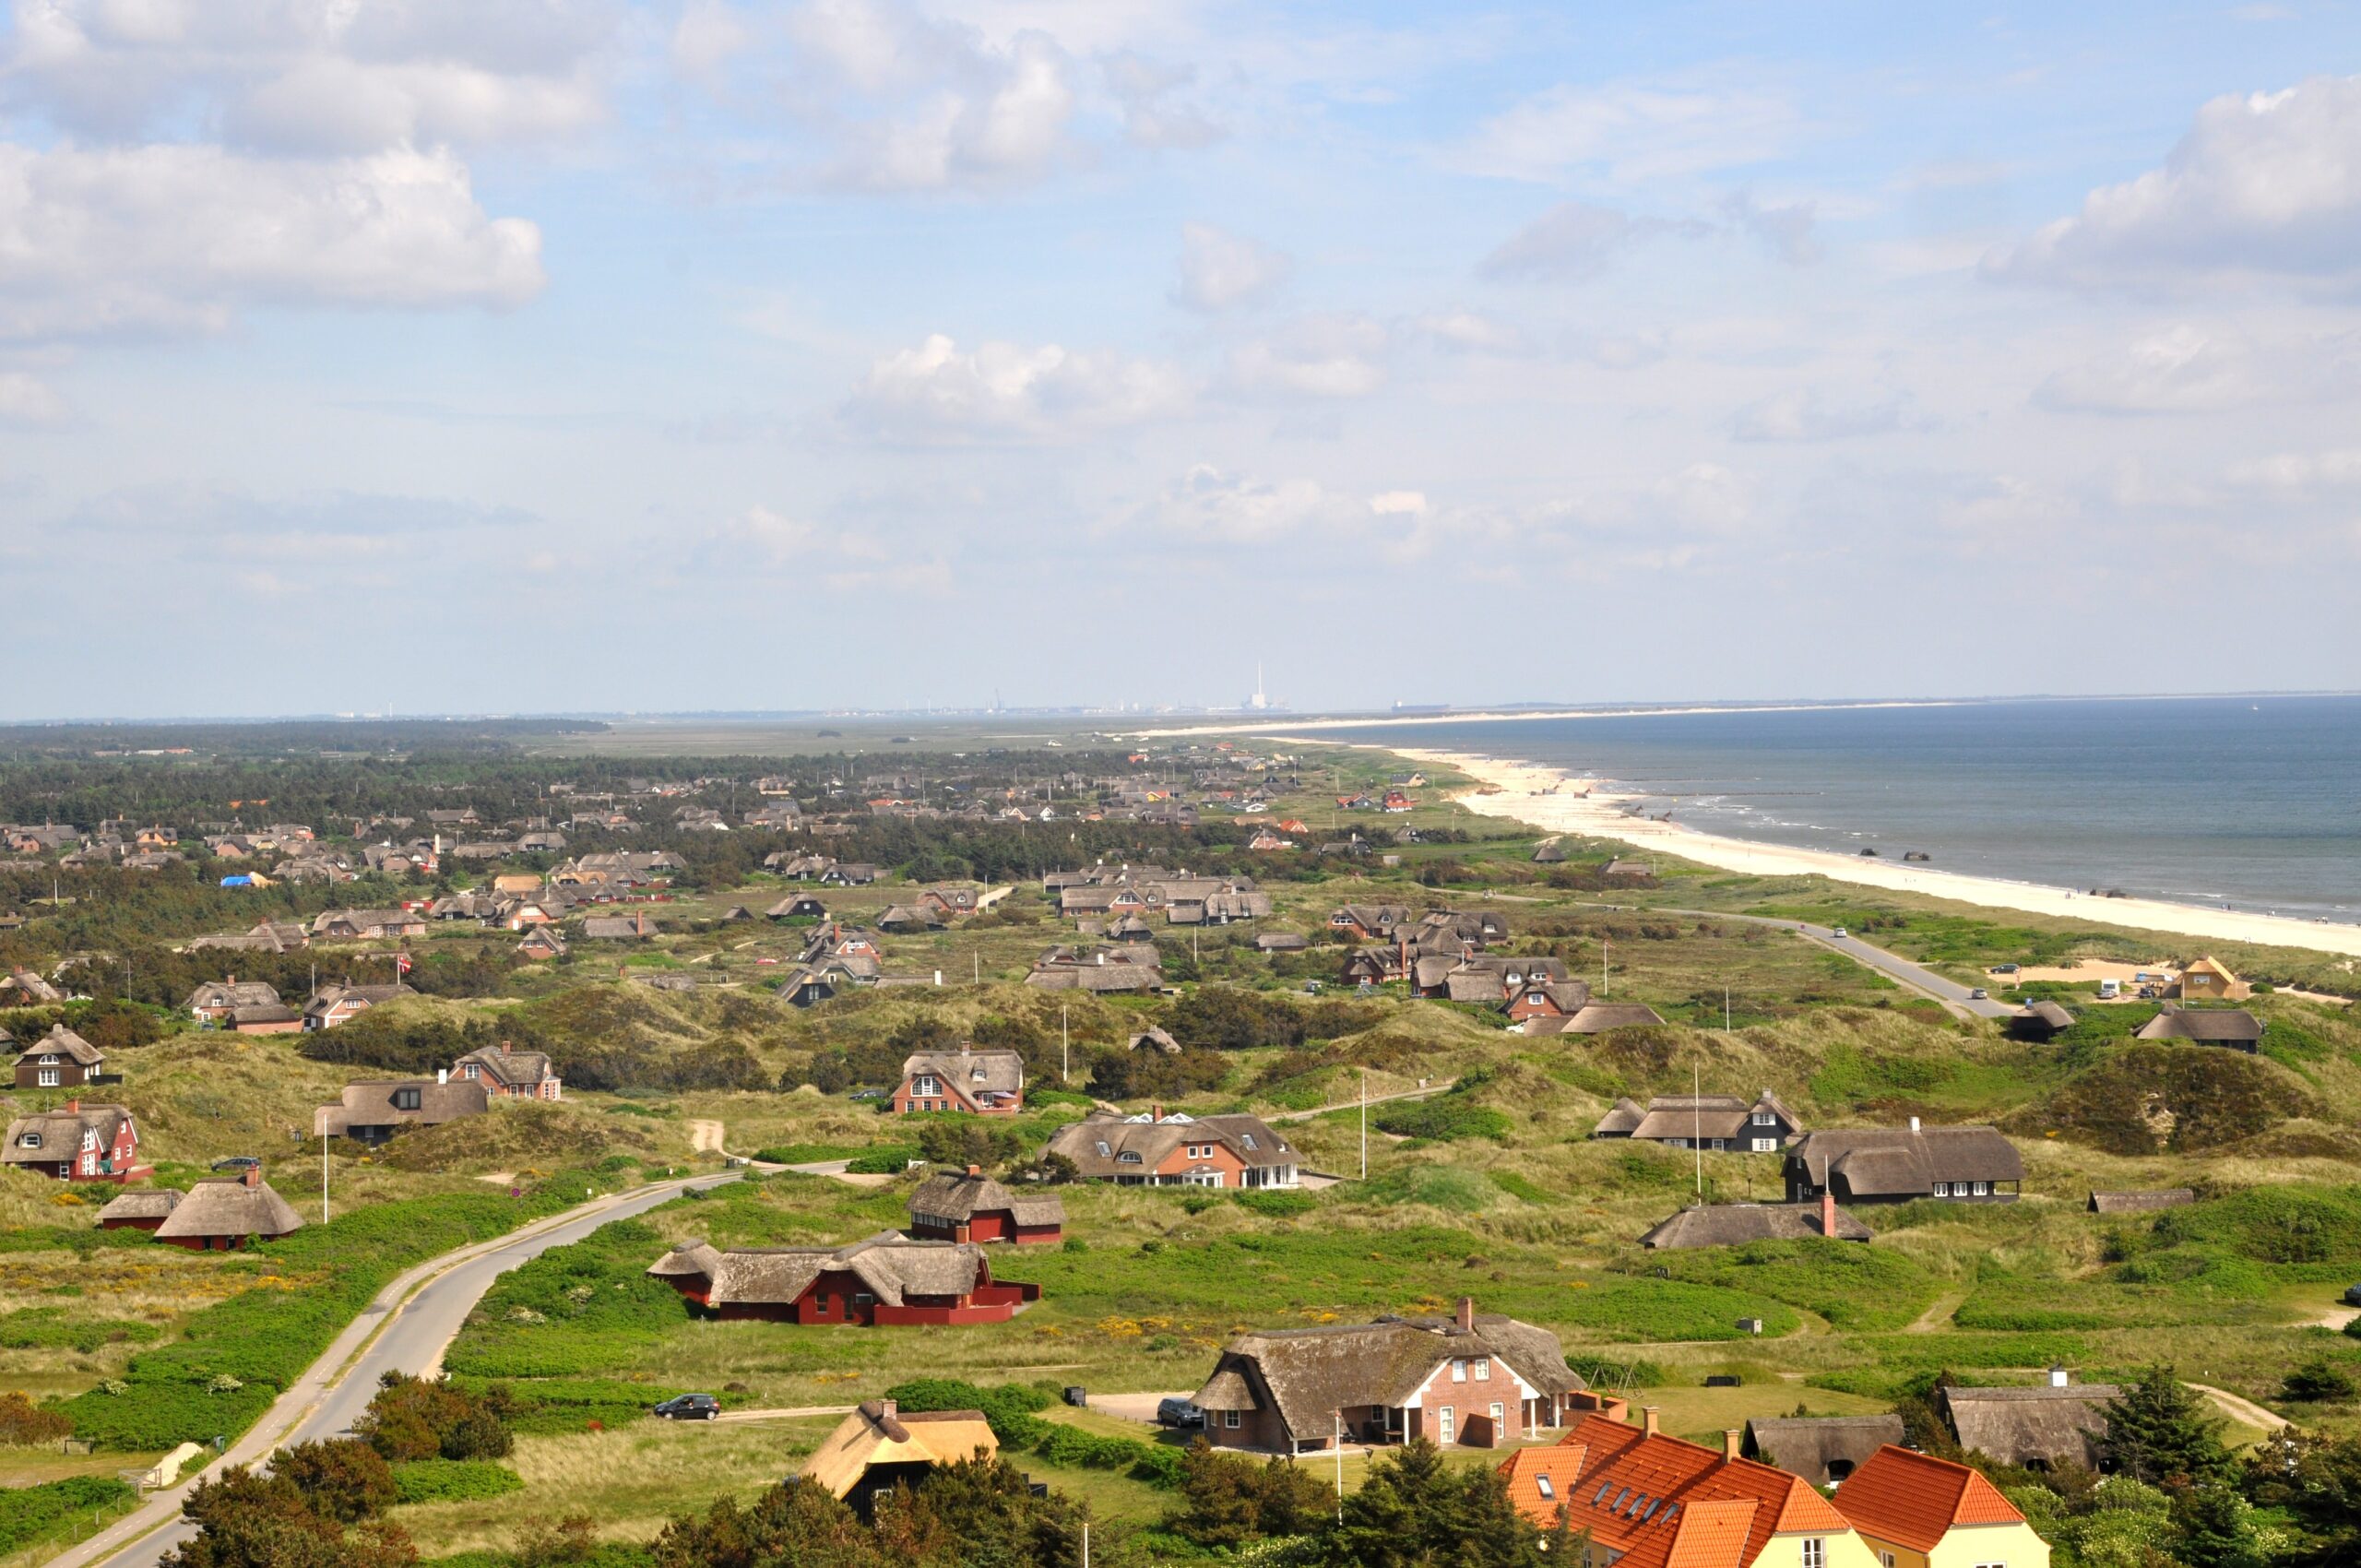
(1984, 1189)
(1766, 1119)
(924, 1083)
(1542, 1485)
(1446, 1425)
(1483, 1369)
(1229, 1421)
(1943, 1189)
(49, 1077)
(1458, 1369)
(1766, 1146)
(1815, 1552)
(1499, 1413)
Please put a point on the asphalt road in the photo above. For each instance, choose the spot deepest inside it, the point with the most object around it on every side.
(413, 1323)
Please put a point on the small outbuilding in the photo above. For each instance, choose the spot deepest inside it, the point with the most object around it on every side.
(142, 1210)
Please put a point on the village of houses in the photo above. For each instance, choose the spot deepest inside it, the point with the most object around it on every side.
(825, 935)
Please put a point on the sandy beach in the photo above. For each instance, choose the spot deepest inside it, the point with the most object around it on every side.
(1561, 803)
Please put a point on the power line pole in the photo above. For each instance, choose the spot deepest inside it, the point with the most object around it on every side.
(1697, 1128)
(1065, 1069)
(1364, 1123)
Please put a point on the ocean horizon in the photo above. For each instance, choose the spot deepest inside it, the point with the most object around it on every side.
(2244, 803)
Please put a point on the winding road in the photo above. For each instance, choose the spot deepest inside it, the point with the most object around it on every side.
(406, 1328)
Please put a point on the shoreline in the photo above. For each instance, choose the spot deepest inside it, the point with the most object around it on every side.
(1534, 793)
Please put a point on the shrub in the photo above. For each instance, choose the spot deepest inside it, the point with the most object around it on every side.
(343, 1478)
(454, 1480)
(2321, 1381)
(22, 1425)
(411, 1419)
(29, 1514)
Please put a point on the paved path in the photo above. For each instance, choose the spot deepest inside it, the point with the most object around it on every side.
(407, 1328)
(788, 1414)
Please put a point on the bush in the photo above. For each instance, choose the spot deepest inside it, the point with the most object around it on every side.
(30, 1513)
(2321, 1381)
(411, 1419)
(343, 1478)
(454, 1480)
(22, 1425)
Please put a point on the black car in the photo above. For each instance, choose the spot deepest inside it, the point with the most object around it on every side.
(1175, 1412)
(2353, 1296)
(238, 1162)
(690, 1407)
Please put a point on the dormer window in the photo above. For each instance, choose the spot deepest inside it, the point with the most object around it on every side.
(925, 1085)
(1247, 1138)
(1103, 1151)
(31, 1140)
(406, 1100)
(1765, 1119)
(1129, 1157)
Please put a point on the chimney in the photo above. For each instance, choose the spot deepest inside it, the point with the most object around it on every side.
(1102, 957)
(505, 1047)
(229, 980)
(938, 977)
(1466, 1314)
(442, 1074)
(1648, 1419)
(975, 1171)
(1828, 1214)
(2059, 1377)
(1154, 1111)
(1729, 1443)
(253, 1176)
(887, 1409)
(1914, 1124)
(73, 1107)
(965, 1046)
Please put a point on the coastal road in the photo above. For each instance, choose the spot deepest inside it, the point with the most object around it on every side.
(406, 1328)
(1951, 993)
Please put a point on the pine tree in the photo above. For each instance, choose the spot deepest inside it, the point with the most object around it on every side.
(2158, 1432)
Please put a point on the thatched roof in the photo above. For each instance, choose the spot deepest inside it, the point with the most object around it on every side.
(50, 1136)
(1594, 1018)
(1619, 1122)
(2014, 1426)
(2207, 1025)
(877, 1433)
(2047, 1014)
(1807, 1445)
(2141, 1203)
(975, 1072)
(143, 1202)
(1307, 1374)
(1730, 1224)
(1891, 1161)
(231, 1206)
(889, 1264)
(1707, 1116)
(1097, 1144)
(63, 1042)
(376, 1104)
(958, 1196)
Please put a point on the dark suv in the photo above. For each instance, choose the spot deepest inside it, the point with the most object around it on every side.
(1178, 1412)
(690, 1407)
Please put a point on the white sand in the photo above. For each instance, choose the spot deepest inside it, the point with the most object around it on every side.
(1556, 801)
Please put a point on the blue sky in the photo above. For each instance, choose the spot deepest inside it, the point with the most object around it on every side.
(541, 355)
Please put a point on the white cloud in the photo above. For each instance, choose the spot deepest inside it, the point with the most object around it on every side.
(171, 237)
(1220, 270)
(313, 76)
(1468, 332)
(1150, 96)
(1320, 356)
(1207, 503)
(1809, 414)
(1706, 497)
(914, 103)
(25, 399)
(2265, 184)
(1575, 241)
(1399, 504)
(1785, 229)
(1004, 391)
(708, 35)
(1636, 131)
(2298, 474)
(2191, 369)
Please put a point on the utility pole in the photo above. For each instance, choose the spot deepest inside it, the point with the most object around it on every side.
(1697, 1129)
(1340, 1467)
(1364, 1123)
(323, 1175)
(1065, 1069)
(1603, 945)
(1726, 1009)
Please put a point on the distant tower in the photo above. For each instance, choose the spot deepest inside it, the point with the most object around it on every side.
(1258, 701)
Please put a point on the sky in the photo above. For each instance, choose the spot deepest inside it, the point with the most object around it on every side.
(540, 355)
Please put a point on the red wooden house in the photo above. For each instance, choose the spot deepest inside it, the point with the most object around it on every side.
(886, 1281)
(974, 1207)
(80, 1142)
(988, 1082)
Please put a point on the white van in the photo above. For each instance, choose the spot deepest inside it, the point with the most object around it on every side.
(2110, 990)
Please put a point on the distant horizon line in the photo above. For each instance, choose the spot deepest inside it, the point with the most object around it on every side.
(1265, 718)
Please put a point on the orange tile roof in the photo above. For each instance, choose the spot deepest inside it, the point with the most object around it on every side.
(1659, 1501)
(1913, 1500)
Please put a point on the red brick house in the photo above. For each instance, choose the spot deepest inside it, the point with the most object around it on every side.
(507, 1072)
(974, 1207)
(886, 1281)
(988, 1083)
(1647, 1498)
(334, 1005)
(213, 1002)
(80, 1142)
(60, 1060)
(1160, 1150)
(1369, 922)
(1478, 1381)
(224, 1214)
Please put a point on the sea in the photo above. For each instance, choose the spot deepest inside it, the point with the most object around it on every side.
(2250, 803)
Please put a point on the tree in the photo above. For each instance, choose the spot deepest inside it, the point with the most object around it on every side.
(1412, 1511)
(412, 1418)
(2319, 1381)
(344, 1480)
(249, 1521)
(2317, 1478)
(2211, 1524)
(1230, 1500)
(2158, 1432)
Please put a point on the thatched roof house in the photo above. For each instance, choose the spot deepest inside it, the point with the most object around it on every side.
(228, 1212)
(2057, 1424)
(971, 1206)
(1731, 1225)
(2141, 1203)
(879, 1447)
(1823, 1450)
(1594, 1018)
(1897, 1164)
(886, 1278)
(2233, 1027)
(143, 1209)
(1622, 1120)
(2039, 1021)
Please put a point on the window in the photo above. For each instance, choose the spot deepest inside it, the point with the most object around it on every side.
(1499, 1420)
(1766, 1146)
(1620, 1499)
(1721, 1146)
(1943, 1189)
(1483, 1369)
(1247, 1138)
(1444, 1419)
(405, 1099)
(1815, 1552)
(49, 1077)
(1983, 1189)
(89, 1137)
(31, 1140)
(925, 1085)
(1765, 1119)
(1885, 1560)
(1229, 1420)
(1103, 1151)
(1459, 1371)
(1129, 1157)
(1541, 1483)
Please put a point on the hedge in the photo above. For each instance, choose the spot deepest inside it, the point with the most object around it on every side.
(453, 1481)
(28, 1513)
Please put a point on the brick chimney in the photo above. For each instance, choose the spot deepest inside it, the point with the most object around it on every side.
(1154, 1111)
(1828, 1214)
(1466, 1314)
(505, 1047)
(888, 1408)
(73, 1107)
(975, 1171)
(253, 1176)
(1729, 1443)
(1648, 1419)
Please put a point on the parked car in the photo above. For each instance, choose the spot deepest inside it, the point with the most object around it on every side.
(866, 1094)
(690, 1407)
(1174, 1411)
(1977, 993)
(2353, 1296)
(2005, 969)
(238, 1162)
